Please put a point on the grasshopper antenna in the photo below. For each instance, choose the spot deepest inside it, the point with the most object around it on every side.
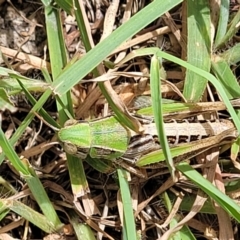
(42, 119)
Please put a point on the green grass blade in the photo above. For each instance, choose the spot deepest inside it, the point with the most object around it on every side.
(66, 5)
(82, 230)
(223, 21)
(42, 112)
(4, 210)
(6, 188)
(223, 72)
(186, 234)
(129, 222)
(198, 22)
(207, 75)
(232, 186)
(12, 156)
(83, 30)
(9, 82)
(232, 55)
(58, 58)
(5, 102)
(233, 28)
(156, 73)
(46, 2)
(46, 75)
(43, 201)
(181, 110)
(58, 54)
(226, 77)
(168, 204)
(57, 50)
(188, 201)
(29, 214)
(79, 183)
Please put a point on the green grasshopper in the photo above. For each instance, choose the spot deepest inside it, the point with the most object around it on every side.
(107, 139)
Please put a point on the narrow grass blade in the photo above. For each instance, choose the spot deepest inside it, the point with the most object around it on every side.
(79, 183)
(231, 56)
(186, 234)
(6, 189)
(129, 222)
(174, 220)
(223, 21)
(42, 112)
(31, 215)
(67, 5)
(43, 201)
(9, 82)
(5, 102)
(12, 156)
(58, 54)
(233, 28)
(235, 150)
(232, 186)
(46, 2)
(226, 77)
(198, 22)
(4, 210)
(59, 61)
(223, 200)
(223, 72)
(156, 73)
(182, 110)
(83, 29)
(82, 230)
(56, 43)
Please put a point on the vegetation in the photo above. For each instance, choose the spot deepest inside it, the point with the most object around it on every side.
(180, 52)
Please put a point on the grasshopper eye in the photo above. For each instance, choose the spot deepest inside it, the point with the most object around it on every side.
(75, 151)
(70, 148)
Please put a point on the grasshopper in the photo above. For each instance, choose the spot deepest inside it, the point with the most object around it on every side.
(106, 138)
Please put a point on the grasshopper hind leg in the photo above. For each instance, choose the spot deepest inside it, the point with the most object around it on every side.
(139, 146)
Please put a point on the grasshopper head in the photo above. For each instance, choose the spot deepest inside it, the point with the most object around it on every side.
(76, 138)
